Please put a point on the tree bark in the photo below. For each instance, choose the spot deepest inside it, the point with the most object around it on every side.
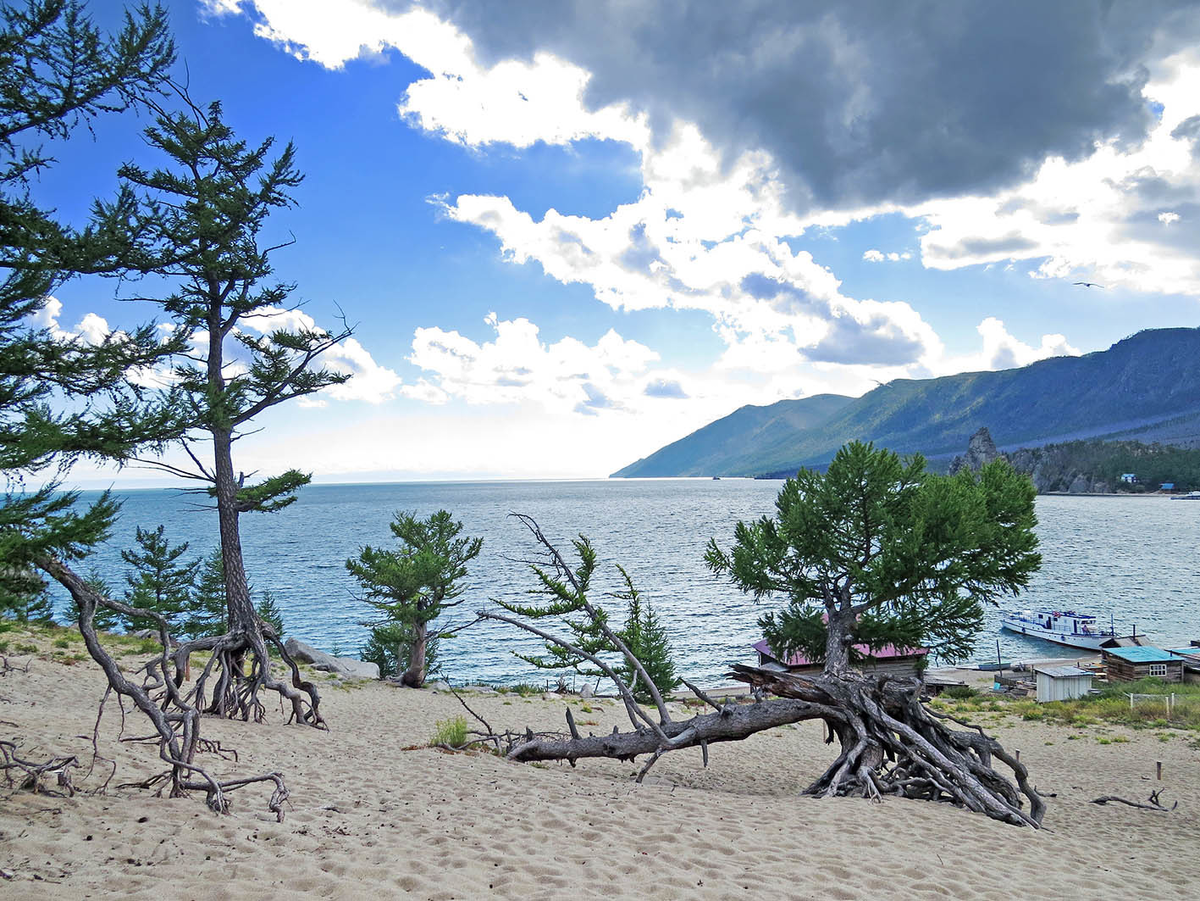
(239, 604)
(414, 676)
(890, 743)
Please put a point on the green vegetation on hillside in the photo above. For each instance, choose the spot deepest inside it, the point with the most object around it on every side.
(1100, 464)
(1146, 386)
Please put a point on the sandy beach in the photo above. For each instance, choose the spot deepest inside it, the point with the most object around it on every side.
(369, 817)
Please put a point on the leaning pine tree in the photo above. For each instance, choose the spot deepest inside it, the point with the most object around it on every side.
(204, 216)
(874, 551)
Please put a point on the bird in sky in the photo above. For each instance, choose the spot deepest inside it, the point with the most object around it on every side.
(1088, 284)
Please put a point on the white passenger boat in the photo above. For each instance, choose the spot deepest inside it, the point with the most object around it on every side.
(1075, 630)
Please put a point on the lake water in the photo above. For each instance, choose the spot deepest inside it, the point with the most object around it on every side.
(1135, 558)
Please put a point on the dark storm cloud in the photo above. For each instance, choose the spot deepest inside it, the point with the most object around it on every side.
(860, 101)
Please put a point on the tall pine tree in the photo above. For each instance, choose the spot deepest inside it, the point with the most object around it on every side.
(205, 212)
(57, 72)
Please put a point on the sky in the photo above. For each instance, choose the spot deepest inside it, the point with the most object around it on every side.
(569, 233)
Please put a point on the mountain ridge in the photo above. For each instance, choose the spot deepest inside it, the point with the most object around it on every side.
(1145, 386)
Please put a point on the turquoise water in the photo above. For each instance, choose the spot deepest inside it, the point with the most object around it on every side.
(1135, 558)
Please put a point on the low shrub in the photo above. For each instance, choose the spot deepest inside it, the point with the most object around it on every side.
(452, 732)
(960, 692)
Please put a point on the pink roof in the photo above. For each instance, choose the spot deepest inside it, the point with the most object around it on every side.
(886, 652)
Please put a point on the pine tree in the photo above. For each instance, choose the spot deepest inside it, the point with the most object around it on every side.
(879, 551)
(20, 589)
(412, 586)
(159, 581)
(205, 615)
(646, 638)
(58, 71)
(23, 596)
(204, 213)
(104, 619)
(592, 643)
(268, 611)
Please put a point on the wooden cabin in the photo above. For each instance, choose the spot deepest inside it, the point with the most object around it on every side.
(1131, 664)
(1061, 683)
(1191, 661)
(1126, 641)
(886, 661)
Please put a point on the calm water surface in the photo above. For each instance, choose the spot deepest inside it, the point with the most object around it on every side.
(1133, 558)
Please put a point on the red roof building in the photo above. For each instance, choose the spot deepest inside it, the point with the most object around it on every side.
(888, 660)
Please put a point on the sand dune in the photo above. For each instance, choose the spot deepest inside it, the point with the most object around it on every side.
(370, 819)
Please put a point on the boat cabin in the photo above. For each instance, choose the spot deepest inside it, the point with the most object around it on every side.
(886, 661)
(1131, 664)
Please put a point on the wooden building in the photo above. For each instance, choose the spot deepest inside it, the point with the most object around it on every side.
(1191, 661)
(1131, 664)
(1126, 641)
(886, 661)
(1061, 683)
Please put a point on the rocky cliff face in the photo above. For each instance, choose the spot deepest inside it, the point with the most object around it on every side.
(981, 450)
(1052, 469)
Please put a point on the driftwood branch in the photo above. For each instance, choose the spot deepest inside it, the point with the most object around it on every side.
(30, 775)
(1153, 803)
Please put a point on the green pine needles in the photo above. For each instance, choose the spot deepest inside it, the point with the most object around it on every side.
(877, 551)
(410, 587)
(159, 580)
(591, 640)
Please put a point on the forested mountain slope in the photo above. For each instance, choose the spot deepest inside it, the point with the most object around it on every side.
(1145, 387)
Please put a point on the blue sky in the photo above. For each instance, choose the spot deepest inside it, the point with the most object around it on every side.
(570, 233)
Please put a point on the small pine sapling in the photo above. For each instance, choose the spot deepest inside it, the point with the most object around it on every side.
(158, 581)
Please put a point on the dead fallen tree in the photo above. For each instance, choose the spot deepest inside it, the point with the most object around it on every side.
(161, 698)
(891, 744)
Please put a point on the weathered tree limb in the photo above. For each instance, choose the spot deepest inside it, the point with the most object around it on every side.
(631, 706)
(732, 724)
(33, 773)
(1154, 804)
(890, 743)
(564, 570)
(176, 721)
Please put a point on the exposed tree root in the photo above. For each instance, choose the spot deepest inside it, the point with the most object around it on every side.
(176, 719)
(892, 744)
(26, 775)
(225, 688)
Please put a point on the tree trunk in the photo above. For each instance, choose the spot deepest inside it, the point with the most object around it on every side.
(837, 641)
(414, 676)
(239, 605)
(891, 744)
(240, 665)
